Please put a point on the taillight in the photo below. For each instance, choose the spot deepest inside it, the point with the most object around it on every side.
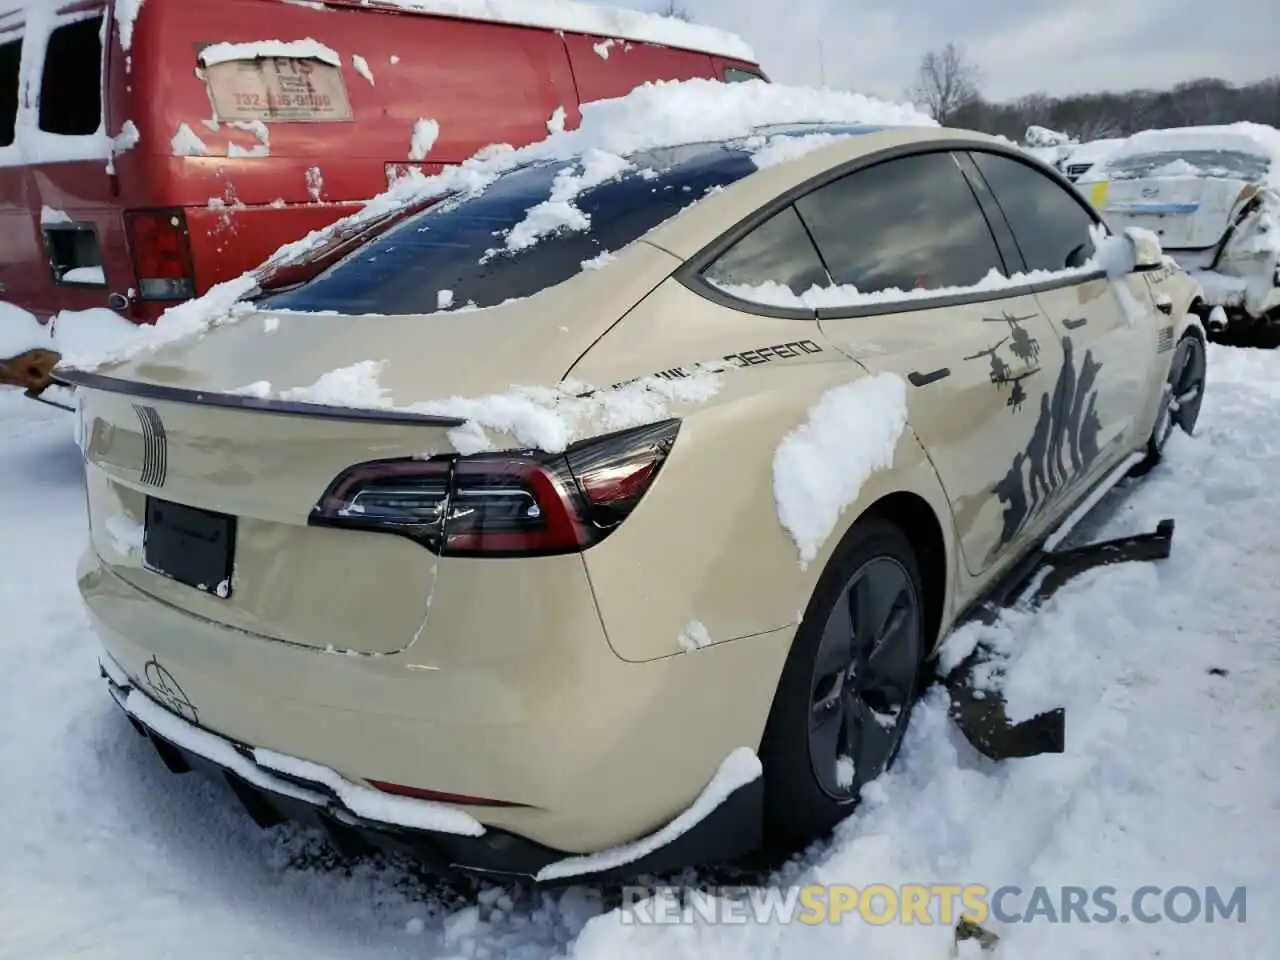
(503, 504)
(161, 248)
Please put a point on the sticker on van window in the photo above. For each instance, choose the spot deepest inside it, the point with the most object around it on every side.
(278, 90)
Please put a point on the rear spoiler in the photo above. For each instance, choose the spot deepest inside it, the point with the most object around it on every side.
(232, 401)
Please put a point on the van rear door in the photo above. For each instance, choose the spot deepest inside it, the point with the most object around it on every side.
(61, 246)
(396, 89)
(19, 243)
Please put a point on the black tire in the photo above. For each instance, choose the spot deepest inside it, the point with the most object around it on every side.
(1181, 401)
(804, 795)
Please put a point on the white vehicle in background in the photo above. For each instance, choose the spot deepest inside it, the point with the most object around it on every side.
(1212, 195)
(1048, 146)
(1078, 160)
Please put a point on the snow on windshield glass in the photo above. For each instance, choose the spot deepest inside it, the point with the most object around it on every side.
(1217, 164)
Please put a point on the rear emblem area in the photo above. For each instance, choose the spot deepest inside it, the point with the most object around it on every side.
(166, 689)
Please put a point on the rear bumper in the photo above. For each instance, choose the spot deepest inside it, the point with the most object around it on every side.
(732, 829)
(524, 702)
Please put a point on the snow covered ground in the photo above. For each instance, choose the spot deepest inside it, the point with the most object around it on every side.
(1170, 673)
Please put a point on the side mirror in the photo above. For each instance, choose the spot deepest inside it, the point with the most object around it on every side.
(1147, 250)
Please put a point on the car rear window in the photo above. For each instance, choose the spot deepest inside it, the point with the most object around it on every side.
(453, 254)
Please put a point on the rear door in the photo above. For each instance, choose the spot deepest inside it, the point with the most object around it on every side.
(981, 365)
(1108, 329)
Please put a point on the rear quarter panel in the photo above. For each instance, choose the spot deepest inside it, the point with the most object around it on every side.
(705, 544)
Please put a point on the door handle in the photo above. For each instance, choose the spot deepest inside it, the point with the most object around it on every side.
(919, 379)
(1075, 324)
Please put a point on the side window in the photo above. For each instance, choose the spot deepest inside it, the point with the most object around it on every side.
(1050, 225)
(71, 91)
(908, 224)
(10, 58)
(778, 251)
(737, 75)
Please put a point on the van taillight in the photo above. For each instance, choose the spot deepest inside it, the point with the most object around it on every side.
(161, 249)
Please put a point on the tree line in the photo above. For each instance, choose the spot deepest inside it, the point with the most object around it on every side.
(948, 86)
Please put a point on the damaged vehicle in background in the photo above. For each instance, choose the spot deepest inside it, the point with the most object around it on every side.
(1079, 159)
(1212, 196)
(802, 399)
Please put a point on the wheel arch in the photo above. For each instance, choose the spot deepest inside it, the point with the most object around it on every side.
(916, 518)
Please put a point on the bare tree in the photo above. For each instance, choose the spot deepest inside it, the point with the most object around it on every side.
(676, 11)
(946, 83)
(1119, 113)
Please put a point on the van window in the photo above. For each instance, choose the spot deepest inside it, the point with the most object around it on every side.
(445, 256)
(71, 91)
(10, 59)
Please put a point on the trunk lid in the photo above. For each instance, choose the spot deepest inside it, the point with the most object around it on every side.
(193, 424)
(266, 471)
(1187, 213)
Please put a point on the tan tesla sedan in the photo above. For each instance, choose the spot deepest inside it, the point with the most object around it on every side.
(615, 549)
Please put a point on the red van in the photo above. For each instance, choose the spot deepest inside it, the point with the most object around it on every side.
(150, 149)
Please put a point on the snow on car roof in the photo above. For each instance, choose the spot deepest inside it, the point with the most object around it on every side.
(650, 117)
(573, 16)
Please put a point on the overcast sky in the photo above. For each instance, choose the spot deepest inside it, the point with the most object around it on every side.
(1021, 46)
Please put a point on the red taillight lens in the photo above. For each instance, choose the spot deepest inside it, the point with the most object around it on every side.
(435, 796)
(161, 248)
(509, 504)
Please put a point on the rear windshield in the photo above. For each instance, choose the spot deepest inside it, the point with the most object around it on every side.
(1221, 164)
(456, 254)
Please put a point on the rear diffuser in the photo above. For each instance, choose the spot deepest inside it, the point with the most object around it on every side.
(979, 712)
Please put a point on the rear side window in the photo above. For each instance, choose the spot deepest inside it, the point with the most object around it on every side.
(906, 224)
(1050, 225)
(71, 90)
(454, 254)
(10, 59)
(777, 251)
